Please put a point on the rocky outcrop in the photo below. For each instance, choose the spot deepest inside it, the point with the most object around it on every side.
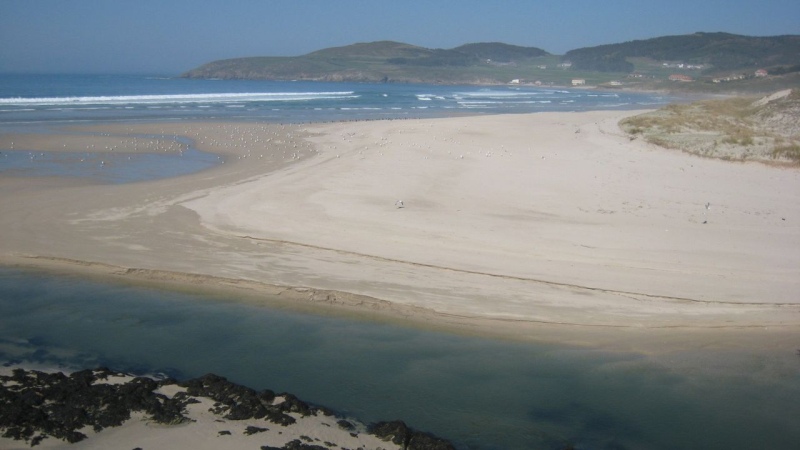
(35, 406)
(399, 433)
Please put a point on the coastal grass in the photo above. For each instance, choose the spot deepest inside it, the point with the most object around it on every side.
(739, 128)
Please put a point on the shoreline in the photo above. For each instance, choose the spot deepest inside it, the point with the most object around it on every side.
(323, 180)
(655, 342)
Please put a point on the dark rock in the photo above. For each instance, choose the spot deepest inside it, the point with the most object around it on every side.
(345, 425)
(42, 405)
(224, 433)
(427, 441)
(266, 396)
(297, 445)
(294, 405)
(235, 402)
(400, 434)
(250, 430)
(325, 411)
(36, 405)
(396, 432)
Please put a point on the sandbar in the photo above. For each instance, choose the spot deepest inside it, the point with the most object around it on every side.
(520, 226)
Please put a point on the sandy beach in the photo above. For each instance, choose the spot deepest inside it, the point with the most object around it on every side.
(515, 225)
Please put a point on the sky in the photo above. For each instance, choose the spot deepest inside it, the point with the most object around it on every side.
(172, 36)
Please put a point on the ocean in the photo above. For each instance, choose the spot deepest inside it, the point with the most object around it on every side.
(44, 103)
(478, 392)
(73, 98)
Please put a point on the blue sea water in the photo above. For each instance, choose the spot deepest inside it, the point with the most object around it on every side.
(44, 103)
(65, 98)
(481, 393)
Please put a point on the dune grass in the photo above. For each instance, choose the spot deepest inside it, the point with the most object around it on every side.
(740, 128)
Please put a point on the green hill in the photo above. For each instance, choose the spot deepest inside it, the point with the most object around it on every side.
(383, 61)
(499, 52)
(379, 49)
(641, 64)
(716, 52)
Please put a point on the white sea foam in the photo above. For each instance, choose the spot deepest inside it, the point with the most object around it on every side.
(177, 99)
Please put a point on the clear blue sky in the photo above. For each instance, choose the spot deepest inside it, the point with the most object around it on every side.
(171, 36)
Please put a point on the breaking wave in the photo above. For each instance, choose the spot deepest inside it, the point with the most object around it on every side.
(178, 99)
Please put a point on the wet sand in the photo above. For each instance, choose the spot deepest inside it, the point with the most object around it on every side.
(548, 226)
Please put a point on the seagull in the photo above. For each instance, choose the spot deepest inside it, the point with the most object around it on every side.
(399, 204)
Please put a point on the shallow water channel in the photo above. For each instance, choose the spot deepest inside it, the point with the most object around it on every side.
(479, 393)
(106, 167)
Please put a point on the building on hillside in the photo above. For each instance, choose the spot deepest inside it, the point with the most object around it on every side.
(680, 77)
(761, 73)
(578, 82)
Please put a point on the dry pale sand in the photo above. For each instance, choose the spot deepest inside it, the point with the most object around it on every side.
(512, 224)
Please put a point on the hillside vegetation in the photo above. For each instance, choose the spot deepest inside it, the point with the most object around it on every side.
(716, 52)
(742, 128)
(702, 62)
(384, 61)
